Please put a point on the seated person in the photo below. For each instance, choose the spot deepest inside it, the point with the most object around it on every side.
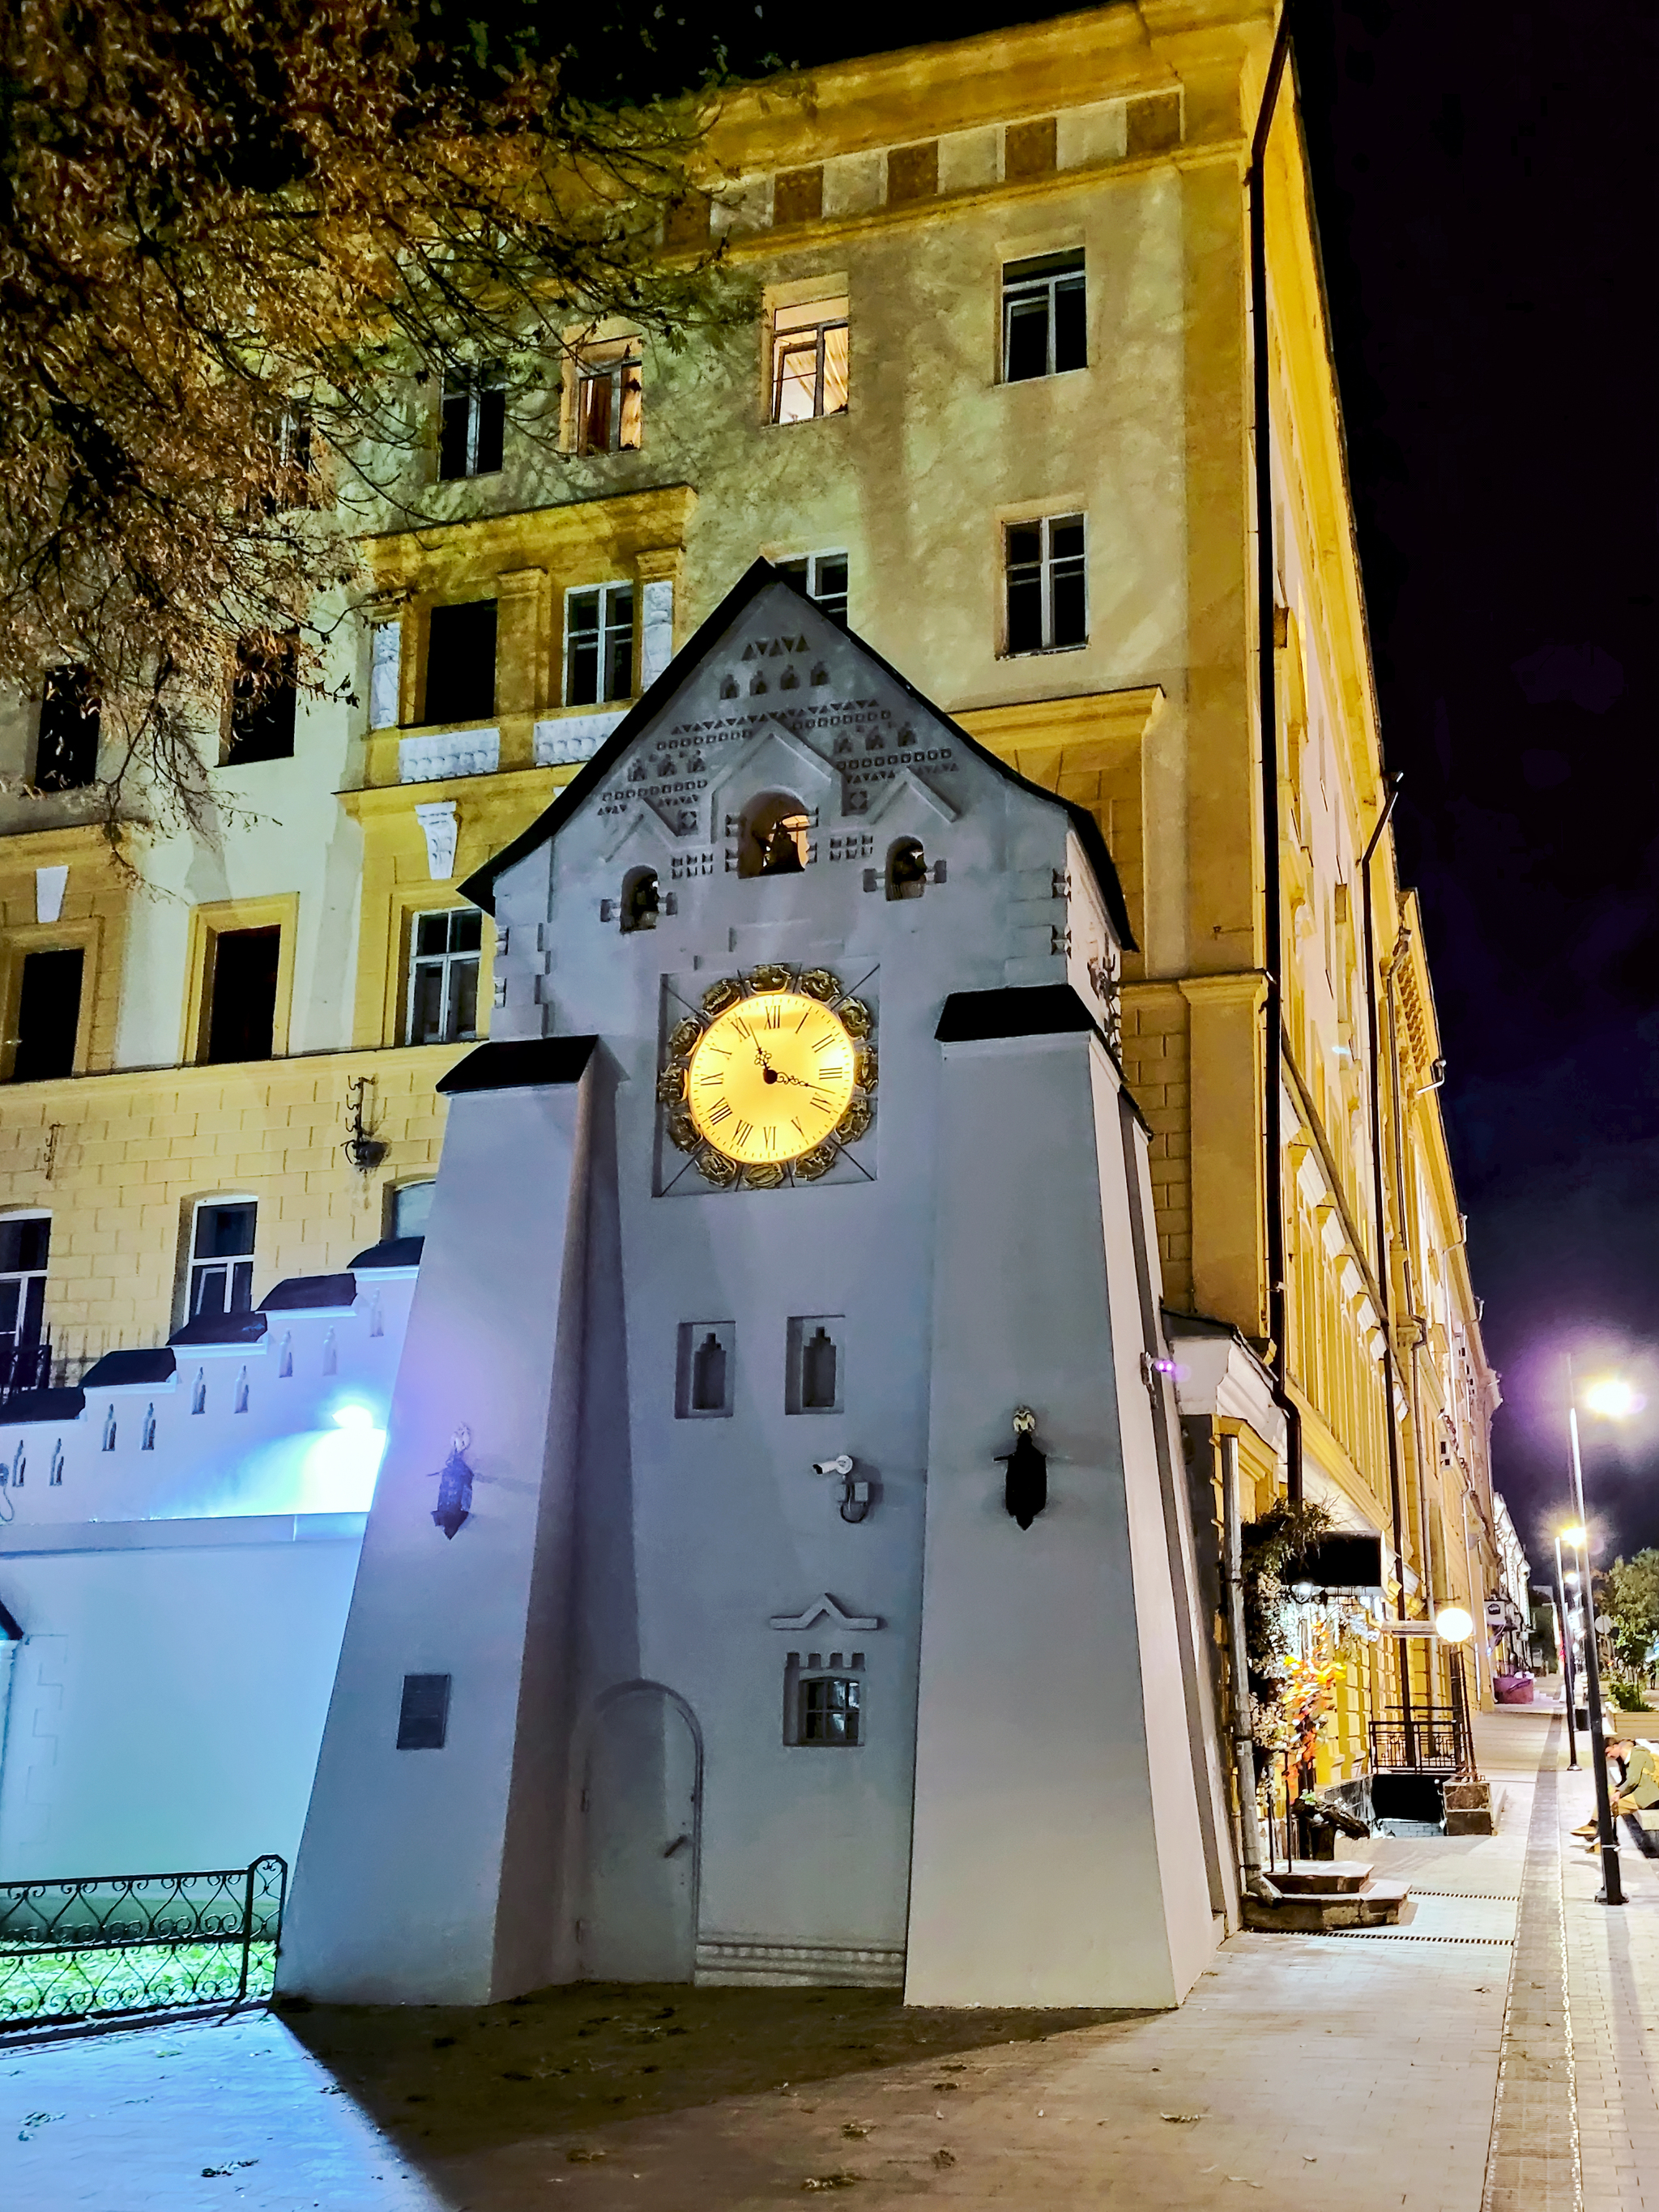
(1639, 1790)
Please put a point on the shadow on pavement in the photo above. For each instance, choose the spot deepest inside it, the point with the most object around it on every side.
(444, 2080)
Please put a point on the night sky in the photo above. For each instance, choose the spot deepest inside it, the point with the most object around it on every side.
(1486, 200)
(1487, 213)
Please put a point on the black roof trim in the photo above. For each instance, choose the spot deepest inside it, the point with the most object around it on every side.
(392, 1252)
(42, 1406)
(297, 1293)
(10, 1633)
(222, 1328)
(157, 1365)
(523, 1064)
(1015, 1011)
(480, 887)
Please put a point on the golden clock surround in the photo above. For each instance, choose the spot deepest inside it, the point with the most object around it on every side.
(771, 1081)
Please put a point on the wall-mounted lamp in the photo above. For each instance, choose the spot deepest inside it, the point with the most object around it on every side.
(856, 1496)
(1025, 1485)
(364, 1149)
(454, 1504)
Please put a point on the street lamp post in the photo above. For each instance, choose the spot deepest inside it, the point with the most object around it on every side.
(1566, 1642)
(1612, 1891)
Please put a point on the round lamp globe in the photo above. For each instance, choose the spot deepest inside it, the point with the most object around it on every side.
(1453, 1625)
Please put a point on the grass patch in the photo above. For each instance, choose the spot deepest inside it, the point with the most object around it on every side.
(54, 1985)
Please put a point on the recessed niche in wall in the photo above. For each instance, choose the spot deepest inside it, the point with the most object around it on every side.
(816, 1363)
(705, 1370)
(424, 1718)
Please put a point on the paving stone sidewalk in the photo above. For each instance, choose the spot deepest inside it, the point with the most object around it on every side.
(1360, 2071)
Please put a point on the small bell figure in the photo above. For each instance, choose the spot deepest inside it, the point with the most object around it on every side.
(1025, 1490)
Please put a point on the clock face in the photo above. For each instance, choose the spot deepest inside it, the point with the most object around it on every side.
(770, 1077)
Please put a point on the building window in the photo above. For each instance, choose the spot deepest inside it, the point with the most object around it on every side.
(810, 359)
(262, 701)
(598, 644)
(222, 1258)
(460, 662)
(813, 1376)
(48, 1015)
(411, 1208)
(474, 430)
(444, 949)
(242, 993)
(66, 748)
(1043, 317)
(1047, 584)
(607, 402)
(822, 577)
(25, 1241)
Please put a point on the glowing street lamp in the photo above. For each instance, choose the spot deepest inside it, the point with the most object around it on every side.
(1455, 1627)
(1564, 1638)
(1613, 1399)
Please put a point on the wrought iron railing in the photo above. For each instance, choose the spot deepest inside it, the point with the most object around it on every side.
(24, 1366)
(1427, 1740)
(112, 1944)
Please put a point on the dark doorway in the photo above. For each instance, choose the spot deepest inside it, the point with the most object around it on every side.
(460, 663)
(642, 1800)
(242, 1014)
(66, 750)
(48, 1016)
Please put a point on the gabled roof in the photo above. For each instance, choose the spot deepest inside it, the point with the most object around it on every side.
(480, 887)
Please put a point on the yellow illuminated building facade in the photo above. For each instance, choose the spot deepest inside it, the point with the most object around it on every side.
(995, 395)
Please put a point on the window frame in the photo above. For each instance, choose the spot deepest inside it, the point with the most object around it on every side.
(604, 633)
(233, 1263)
(790, 339)
(620, 364)
(1023, 289)
(447, 961)
(59, 683)
(26, 1279)
(803, 567)
(434, 611)
(1045, 566)
(477, 382)
(221, 918)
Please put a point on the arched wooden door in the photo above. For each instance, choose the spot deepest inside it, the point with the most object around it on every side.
(642, 1802)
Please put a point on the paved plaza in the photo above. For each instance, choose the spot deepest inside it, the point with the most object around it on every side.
(1491, 2054)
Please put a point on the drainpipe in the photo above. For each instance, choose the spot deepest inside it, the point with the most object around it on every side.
(1266, 600)
(1249, 1823)
(1384, 1261)
(11, 1643)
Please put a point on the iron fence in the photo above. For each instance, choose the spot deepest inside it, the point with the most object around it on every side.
(1427, 1740)
(113, 1944)
(24, 1367)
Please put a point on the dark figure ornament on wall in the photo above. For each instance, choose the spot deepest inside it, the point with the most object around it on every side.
(454, 1504)
(1025, 1490)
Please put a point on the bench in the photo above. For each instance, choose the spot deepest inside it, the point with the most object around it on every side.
(1644, 1827)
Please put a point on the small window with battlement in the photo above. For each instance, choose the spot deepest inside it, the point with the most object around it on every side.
(822, 577)
(824, 1701)
(1046, 572)
(598, 644)
(810, 359)
(444, 949)
(472, 435)
(1044, 319)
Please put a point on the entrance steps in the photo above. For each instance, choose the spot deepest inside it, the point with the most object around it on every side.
(1317, 1893)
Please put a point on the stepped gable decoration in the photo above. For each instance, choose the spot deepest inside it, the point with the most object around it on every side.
(825, 1608)
(849, 735)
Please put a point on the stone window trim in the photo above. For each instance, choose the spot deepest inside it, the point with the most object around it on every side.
(602, 402)
(1044, 316)
(224, 917)
(600, 633)
(809, 353)
(446, 957)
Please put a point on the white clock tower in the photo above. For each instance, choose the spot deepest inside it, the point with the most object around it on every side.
(781, 1567)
